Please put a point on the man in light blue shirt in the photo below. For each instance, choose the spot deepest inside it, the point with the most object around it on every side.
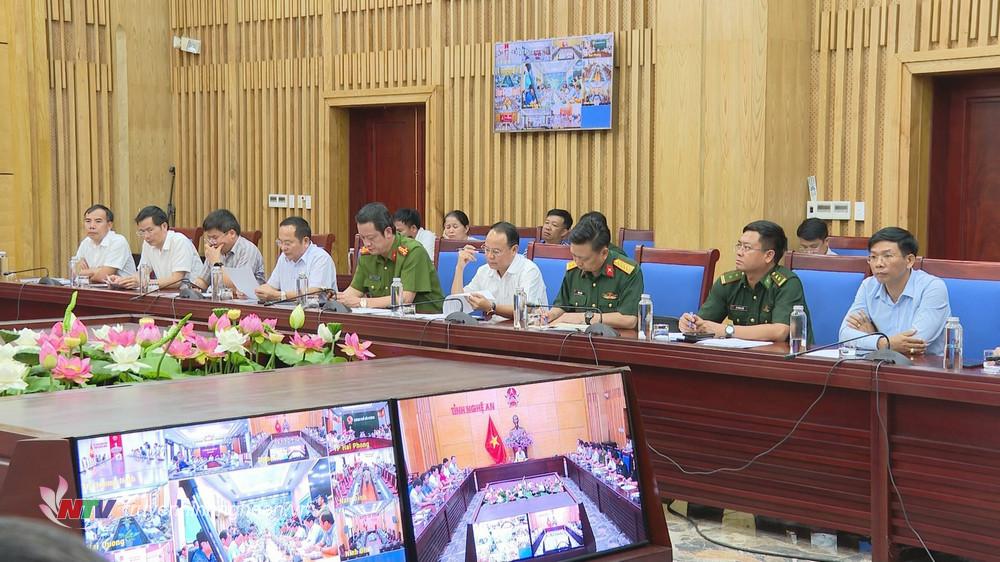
(910, 306)
(298, 254)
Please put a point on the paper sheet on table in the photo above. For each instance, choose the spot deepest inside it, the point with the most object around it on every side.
(450, 306)
(672, 336)
(825, 353)
(566, 327)
(244, 280)
(428, 316)
(732, 343)
(372, 311)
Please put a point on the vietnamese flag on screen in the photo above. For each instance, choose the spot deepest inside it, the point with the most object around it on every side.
(494, 445)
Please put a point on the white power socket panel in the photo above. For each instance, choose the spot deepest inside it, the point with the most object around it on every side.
(305, 202)
(277, 200)
(829, 210)
(859, 210)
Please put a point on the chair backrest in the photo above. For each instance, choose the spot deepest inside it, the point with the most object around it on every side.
(446, 258)
(479, 229)
(551, 260)
(677, 280)
(630, 238)
(253, 236)
(193, 234)
(352, 263)
(830, 284)
(527, 235)
(325, 241)
(849, 245)
(974, 296)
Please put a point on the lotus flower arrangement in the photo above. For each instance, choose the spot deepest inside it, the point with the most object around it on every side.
(71, 355)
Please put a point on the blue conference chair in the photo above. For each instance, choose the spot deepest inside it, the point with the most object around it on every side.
(830, 284)
(629, 239)
(678, 281)
(849, 245)
(446, 258)
(974, 295)
(527, 235)
(551, 260)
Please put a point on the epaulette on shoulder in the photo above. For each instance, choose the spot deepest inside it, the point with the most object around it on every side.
(404, 250)
(570, 265)
(624, 266)
(730, 277)
(778, 278)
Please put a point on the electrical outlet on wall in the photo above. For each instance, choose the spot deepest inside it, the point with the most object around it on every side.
(305, 202)
(277, 200)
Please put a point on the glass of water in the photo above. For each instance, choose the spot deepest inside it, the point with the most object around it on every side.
(661, 332)
(536, 317)
(991, 361)
(848, 350)
(145, 272)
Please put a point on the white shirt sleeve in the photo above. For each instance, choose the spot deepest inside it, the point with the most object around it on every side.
(182, 255)
(478, 282)
(322, 271)
(274, 281)
(534, 285)
(117, 256)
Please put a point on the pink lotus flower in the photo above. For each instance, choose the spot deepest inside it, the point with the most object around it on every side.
(216, 323)
(252, 325)
(77, 330)
(304, 343)
(271, 322)
(148, 334)
(353, 347)
(205, 349)
(187, 332)
(119, 338)
(181, 349)
(48, 355)
(72, 369)
(58, 343)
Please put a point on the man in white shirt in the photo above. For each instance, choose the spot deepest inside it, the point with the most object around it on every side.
(298, 254)
(504, 272)
(103, 252)
(408, 223)
(225, 247)
(171, 255)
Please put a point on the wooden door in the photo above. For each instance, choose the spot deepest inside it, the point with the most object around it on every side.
(387, 158)
(965, 169)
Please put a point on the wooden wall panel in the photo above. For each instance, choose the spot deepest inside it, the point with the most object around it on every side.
(871, 97)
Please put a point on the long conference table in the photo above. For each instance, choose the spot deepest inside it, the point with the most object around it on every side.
(709, 409)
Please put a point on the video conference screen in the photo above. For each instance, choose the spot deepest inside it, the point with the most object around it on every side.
(305, 485)
(541, 469)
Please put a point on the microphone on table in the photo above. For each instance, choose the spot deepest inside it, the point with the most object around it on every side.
(329, 303)
(884, 355)
(160, 288)
(296, 297)
(598, 329)
(43, 280)
(457, 317)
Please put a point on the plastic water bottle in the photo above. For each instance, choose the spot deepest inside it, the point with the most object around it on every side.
(953, 344)
(645, 317)
(396, 296)
(301, 288)
(217, 283)
(797, 335)
(520, 309)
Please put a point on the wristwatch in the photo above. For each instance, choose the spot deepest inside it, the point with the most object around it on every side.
(282, 295)
(588, 316)
(364, 302)
(217, 264)
(730, 330)
(493, 309)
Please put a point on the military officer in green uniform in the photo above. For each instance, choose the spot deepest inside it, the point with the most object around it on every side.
(607, 283)
(387, 254)
(757, 296)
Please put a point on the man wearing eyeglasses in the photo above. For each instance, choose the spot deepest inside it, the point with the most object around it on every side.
(387, 254)
(170, 254)
(908, 305)
(757, 296)
(504, 272)
(226, 247)
(298, 255)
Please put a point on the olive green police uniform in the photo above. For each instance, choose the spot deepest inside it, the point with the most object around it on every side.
(616, 287)
(407, 260)
(770, 302)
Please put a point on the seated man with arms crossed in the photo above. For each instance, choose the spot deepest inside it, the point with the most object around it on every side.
(103, 252)
(503, 273)
(225, 247)
(908, 305)
(387, 254)
(605, 282)
(170, 254)
(757, 296)
(298, 254)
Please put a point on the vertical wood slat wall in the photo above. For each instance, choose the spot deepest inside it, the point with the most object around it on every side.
(859, 106)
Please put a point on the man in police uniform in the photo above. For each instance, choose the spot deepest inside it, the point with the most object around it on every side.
(757, 296)
(605, 282)
(387, 254)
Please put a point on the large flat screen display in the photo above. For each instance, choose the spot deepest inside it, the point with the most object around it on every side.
(548, 84)
(306, 485)
(540, 471)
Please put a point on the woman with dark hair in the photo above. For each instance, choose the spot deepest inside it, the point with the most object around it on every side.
(456, 226)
